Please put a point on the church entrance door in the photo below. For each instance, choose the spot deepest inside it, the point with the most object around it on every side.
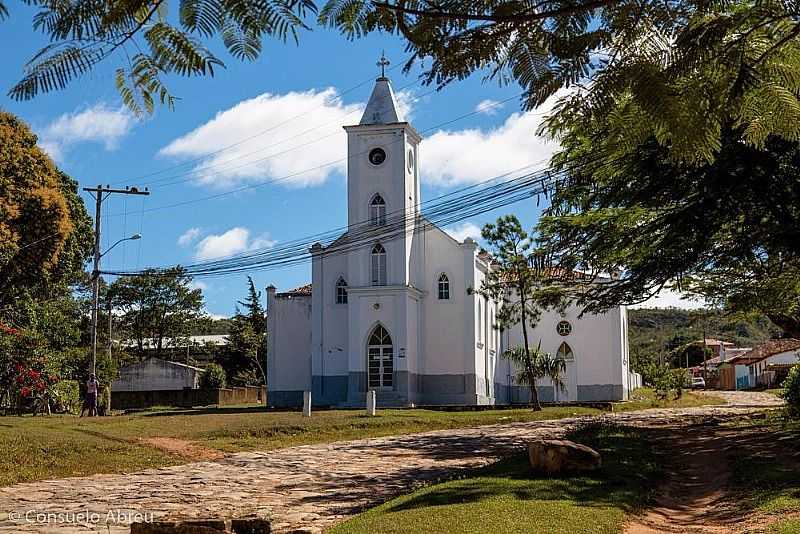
(380, 360)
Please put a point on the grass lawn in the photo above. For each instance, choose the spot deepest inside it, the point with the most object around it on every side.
(765, 471)
(785, 526)
(508, 498)
(34, 448)
(644, 398)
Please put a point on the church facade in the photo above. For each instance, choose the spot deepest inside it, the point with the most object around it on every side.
(390, 306)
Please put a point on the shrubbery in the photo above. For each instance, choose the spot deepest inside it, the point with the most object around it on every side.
(791, 391)
(213, 377)
(666, 380)
(66, 396)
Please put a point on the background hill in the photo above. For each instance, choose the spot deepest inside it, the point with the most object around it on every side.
(653, 333)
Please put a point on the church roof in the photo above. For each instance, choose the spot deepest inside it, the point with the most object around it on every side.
(298, 291)
(382, 106)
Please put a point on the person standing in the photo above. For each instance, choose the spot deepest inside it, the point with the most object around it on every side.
(91, 396)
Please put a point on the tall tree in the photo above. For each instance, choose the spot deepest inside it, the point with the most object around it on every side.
(247, 349)
(727, 230)
(519, 281)
(45, 232)
(157, 306)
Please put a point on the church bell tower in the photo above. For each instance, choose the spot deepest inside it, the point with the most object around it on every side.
(383, 178)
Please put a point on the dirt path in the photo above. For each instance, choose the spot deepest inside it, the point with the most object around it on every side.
(695, 487)
(696, 495)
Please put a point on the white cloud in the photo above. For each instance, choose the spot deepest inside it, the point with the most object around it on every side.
(217, 316)
(197, 284)
(263, 154)
(464, 230)
(488, 107)
(234, 241)
(667, 298)
(97, 124)
(474, 155)
(405, 104)
(189, 236)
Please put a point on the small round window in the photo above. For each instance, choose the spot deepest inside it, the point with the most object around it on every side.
(410, 160)
(377, 156)
(564, 328)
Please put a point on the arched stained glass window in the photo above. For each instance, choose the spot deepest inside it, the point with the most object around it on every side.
(341, 291)
(565, 352)
(378, 265)
(377, 210)
(444, 287)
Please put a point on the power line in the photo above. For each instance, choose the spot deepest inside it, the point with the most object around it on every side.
(441, 211)
(311, 169)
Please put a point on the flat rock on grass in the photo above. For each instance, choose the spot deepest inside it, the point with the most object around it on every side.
(553, 456)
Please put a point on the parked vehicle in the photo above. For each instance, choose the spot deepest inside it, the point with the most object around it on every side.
(698, 382)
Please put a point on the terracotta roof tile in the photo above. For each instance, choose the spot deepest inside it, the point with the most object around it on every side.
(772, 347)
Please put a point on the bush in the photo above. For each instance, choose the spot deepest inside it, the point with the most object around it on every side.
(791, 391)
(66, 397)
(213, 377)
(104, 401)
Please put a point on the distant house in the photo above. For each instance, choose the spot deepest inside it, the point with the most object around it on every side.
(769, 362)
(719, 348)
(157, 374)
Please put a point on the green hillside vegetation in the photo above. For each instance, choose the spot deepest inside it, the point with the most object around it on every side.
(655, 333)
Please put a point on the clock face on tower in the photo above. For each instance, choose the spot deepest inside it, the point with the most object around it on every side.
(377, 156)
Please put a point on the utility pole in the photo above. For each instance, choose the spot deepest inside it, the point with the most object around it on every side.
(100, 193)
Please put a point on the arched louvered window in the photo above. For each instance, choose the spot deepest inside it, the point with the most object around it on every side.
(565, 352)
(378, 265)
(377, 210)
(341, 291)
(444, 287)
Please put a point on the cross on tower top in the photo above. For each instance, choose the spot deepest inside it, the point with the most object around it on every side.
(383, 63)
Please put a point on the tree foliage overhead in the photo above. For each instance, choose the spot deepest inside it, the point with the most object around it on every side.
(727, 230)
(678, 71)
(45, 232)
(150, 41)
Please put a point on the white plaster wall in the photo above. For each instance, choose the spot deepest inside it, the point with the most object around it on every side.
(448, 341)
(330, 342)
(596, 341)
(787, 357)
(155, 374)
(289, 343)
(370, 306)
(395, 182)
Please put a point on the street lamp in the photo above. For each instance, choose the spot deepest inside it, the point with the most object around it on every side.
(96, 294)
(134, 237)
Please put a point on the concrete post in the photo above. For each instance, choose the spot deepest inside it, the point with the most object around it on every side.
(307, 404)
(371, 402)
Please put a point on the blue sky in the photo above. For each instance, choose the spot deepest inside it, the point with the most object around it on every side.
(284, 112)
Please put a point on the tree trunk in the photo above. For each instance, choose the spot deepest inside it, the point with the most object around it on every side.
(789, 324)
(534, 394)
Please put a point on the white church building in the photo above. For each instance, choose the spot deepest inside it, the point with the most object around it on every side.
(390, 306)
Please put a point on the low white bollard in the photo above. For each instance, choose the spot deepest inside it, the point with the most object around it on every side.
(307, 403)
(371, 402)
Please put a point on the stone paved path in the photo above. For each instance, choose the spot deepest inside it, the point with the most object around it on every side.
(310, 487)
